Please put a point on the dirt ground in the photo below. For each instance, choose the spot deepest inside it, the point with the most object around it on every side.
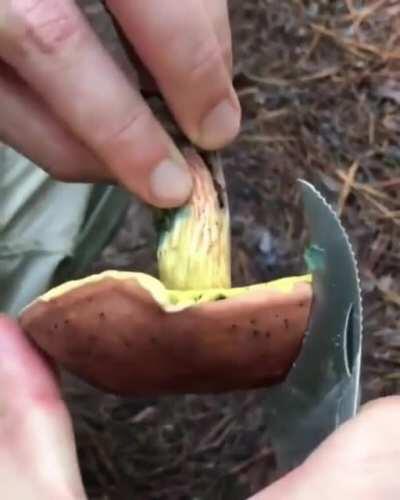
(319, 83)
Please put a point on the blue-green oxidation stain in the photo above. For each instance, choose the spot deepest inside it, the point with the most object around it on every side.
(315, 258)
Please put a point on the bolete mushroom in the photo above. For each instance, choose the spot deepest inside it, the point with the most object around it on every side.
(189, 331)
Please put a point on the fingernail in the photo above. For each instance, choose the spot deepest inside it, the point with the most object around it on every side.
(171, 183)
(220, 125)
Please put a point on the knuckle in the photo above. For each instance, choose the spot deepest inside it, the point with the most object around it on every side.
(206, 61)
(43, 25)
(114, 134)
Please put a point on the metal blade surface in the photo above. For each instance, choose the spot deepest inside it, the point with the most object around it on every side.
(322, 388)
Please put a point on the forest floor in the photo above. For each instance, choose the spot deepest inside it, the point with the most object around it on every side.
(319, 83)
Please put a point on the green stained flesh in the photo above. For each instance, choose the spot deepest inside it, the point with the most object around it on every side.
(315, 258)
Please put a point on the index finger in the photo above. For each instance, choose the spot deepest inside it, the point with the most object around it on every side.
(52, 47)
(179, 45)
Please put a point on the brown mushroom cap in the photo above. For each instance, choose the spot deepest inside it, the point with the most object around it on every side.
(117, 334)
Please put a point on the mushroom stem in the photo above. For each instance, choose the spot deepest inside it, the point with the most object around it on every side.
(194, 248)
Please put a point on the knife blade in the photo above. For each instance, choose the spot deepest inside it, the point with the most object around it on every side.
(322, 390)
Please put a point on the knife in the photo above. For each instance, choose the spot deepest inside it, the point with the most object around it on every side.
(322, 390)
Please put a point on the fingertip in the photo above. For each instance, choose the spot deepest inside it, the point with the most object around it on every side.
(170, 184)
(220, 125)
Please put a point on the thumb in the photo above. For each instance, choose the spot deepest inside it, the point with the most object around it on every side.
(360, 461)
(37, 449)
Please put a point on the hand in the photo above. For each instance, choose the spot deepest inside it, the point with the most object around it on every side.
(37, 449)
(66, 104)
(360, 461)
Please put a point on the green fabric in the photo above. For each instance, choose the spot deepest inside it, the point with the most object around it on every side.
(45, 223)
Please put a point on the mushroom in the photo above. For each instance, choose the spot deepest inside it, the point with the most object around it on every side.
(188, 331)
